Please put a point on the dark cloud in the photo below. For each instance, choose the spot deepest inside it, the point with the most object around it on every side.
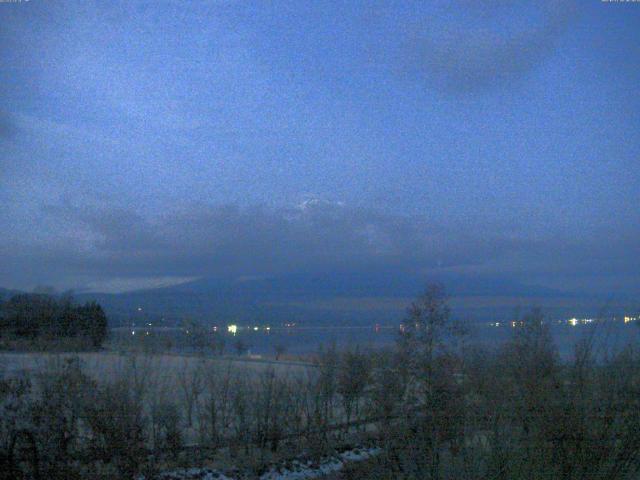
(101, 244)
(229, 240)
(492, 52)
(234, 241)
(8, 126)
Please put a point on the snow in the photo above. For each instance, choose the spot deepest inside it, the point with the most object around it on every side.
(295, 470)
(192, 474)
(304, 471)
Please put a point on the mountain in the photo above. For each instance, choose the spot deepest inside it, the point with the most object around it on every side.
(347, 297)
(343, 297)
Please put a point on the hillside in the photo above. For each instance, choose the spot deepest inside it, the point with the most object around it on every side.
(338, 298)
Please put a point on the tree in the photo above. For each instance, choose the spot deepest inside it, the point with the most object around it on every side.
(94, 323)
(196, 335)
(433, 405)
(36, 315)
(353, 377)
(532, 365)
(327, 381)
(29, 315)
(165, 420)
(280, 350)
(191, 385)
(425, 329)
(218, 344)
(117, 422)
(65, 393)
(69, 319)
(240, 347)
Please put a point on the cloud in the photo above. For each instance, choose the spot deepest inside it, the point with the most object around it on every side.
(88, 246)
(8, 126)
(102, 243)
(492, 50)
(8, 132)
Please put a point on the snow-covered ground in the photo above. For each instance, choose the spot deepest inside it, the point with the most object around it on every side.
(192, 474)
(292, 470)
(307, 470)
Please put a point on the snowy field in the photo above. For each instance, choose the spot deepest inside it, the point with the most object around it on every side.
(101, 365)
(298, 469)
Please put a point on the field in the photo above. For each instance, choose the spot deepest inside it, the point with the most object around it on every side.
(185, 381)
(167, 367)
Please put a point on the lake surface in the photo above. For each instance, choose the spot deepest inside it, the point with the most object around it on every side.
(305, 340)
(301, 340)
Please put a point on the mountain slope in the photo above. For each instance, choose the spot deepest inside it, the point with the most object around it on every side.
(335, 297)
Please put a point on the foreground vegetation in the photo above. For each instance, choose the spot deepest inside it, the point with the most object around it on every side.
(38, 321)
(435, 405)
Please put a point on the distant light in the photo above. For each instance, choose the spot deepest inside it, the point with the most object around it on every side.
(573, 322)
(268, 328)
(133, 332)
(232, 329)
(139, 309)
(255, 329)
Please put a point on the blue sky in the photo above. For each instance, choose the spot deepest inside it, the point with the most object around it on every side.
(139, 140)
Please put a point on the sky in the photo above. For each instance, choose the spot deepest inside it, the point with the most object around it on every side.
(146, 143)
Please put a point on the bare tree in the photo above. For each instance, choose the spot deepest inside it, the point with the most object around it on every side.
(191, 386)
(353, 377)
(214, 421)
(280, 349)
(240, 347)
(117, 422)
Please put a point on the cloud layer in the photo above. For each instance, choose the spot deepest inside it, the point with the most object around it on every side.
(93, 246)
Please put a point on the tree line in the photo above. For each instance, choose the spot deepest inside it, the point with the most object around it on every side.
(31, 317)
